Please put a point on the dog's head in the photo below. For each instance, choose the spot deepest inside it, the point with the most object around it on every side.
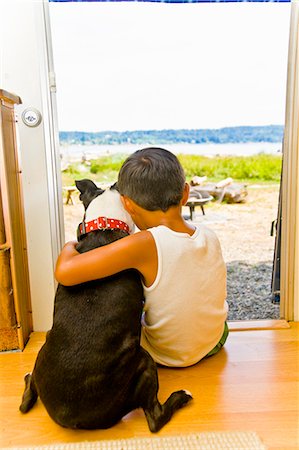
(102, 203)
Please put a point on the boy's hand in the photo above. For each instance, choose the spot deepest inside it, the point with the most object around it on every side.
(70, 247)
(67, 253)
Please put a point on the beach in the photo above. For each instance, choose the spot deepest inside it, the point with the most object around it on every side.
(71, 153)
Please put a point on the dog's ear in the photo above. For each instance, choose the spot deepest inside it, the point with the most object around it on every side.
(114, 187)
(88, 191)
(86, 185)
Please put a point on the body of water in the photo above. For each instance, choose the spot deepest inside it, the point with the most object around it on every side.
(76, 152)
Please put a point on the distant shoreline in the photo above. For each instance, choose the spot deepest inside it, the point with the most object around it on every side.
(76, 152)
(182, 136)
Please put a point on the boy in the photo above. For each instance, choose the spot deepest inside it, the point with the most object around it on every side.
(181, 266)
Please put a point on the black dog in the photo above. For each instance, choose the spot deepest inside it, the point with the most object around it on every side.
(91, 371)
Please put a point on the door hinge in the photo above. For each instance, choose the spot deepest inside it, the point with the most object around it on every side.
(52, 81)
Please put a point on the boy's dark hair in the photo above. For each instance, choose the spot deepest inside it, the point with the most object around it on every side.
(153, 178)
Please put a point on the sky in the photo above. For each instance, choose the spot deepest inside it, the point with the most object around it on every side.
(129, 66)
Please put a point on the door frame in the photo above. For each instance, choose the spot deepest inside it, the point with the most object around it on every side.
(289, 269)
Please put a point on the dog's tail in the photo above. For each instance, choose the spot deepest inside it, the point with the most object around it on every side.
(30, 394)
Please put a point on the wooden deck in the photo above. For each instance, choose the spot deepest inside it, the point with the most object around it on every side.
(251, 385)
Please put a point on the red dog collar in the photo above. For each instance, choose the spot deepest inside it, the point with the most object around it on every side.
(103, 223)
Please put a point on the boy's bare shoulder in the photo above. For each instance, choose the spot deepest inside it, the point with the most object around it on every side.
(141, 246)
(143, 252)
(143, 239)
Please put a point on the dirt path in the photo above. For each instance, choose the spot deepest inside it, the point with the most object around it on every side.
(248, 248)
(244, 229)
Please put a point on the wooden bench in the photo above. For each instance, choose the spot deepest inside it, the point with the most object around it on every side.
(194, 201)
(69, 192)
(223, 190)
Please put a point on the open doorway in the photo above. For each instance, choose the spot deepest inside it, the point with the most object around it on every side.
(194, 68)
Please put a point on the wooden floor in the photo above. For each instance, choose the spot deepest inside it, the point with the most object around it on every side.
(251, 385)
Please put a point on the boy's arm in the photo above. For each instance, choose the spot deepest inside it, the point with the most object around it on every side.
(132, 252)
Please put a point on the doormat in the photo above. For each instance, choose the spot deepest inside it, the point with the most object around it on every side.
(196, 441)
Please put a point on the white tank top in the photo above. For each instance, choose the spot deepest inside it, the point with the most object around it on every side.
(185, 308)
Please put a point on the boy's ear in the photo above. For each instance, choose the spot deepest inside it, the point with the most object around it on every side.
(128, 205)
(185, 194)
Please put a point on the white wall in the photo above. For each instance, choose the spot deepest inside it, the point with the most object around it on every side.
(24, 70)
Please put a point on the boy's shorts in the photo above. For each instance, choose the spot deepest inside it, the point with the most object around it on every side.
(220, 343)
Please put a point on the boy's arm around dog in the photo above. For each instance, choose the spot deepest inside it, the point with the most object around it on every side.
(137, 251)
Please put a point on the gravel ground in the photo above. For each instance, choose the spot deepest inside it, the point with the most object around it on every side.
(244, 232)
(248, 248)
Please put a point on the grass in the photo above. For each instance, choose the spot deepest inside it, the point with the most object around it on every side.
(255, 168)
(247, 169)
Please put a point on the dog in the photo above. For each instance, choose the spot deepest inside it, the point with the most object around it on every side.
(92, 371)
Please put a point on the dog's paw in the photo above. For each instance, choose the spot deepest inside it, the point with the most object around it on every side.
(188, 396)
(182, 397)
(188, 393)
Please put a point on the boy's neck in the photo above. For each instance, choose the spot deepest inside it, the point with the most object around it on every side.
(172, 219)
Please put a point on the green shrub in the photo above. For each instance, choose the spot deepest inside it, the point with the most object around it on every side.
(256, 168)
(244, 168)
(107, 163)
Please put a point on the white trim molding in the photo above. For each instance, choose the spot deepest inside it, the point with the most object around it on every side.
(27, 70)
(290, 181)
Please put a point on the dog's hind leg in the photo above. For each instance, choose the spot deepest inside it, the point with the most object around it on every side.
(145, 395)
(30, 394)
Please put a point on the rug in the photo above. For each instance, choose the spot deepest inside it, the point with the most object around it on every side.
(196, 441)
